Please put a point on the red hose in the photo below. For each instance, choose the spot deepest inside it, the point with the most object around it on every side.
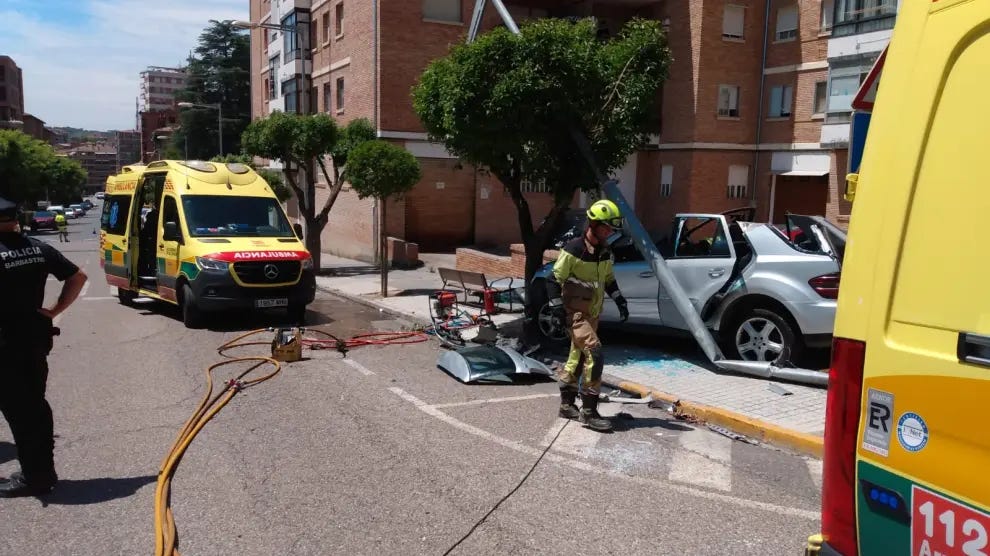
(367, 339)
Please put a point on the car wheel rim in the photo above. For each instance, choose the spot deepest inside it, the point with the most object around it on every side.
(551, 325)
(759, 339)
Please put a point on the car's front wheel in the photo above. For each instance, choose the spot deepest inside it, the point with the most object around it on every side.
(763, 335)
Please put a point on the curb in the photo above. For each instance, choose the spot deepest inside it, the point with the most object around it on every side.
(804, 443)
(374, 305)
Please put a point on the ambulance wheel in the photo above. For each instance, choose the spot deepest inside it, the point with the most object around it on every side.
(297, 314)
(192, 317)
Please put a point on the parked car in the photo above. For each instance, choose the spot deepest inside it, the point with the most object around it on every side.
(78, 209)
(43, 220)
(87, 204)
(100, 195)
(764, 295)
(59, 209)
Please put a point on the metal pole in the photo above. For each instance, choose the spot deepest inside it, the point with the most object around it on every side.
(220, 125)
(506, 16)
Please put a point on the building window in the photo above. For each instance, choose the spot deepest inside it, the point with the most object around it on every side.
(290, 90)
(326, 28)
(273, 77)
(526, 186)
(821, 89)
(733, 21)
(728, 101)
(842, 91)
(787, 23)
(338, 19)
(340, 94)
(272, 36)
(862, 16)
(327, 97)
(828, 10)
(3, 93)
(314, 32)
(442, 10)
(296, 44)
(3, 74)
(738, 180)
(780, 101)
(666, 179)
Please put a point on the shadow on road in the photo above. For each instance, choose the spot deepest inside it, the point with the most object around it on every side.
(626, 424)
(7, 452)
(349, 271)
(76, 492)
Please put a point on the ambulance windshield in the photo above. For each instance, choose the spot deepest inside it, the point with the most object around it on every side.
(225, 216)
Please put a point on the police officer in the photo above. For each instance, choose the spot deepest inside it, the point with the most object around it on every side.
(581, 277)
(26, 331)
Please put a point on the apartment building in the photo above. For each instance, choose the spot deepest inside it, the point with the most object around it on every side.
(11, 92)
(128, 147)
(755, 111)
(99, 160)
(158, 87)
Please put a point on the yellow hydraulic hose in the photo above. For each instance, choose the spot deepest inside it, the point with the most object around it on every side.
(166, 534)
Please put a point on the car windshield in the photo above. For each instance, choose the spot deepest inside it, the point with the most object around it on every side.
(219, 216)
(43, 214)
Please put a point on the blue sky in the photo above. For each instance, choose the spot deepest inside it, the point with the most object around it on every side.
(81, 59)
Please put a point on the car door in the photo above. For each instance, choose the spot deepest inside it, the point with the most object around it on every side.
(638, 285)
(169, 244)
(701, 262)
(114, 226)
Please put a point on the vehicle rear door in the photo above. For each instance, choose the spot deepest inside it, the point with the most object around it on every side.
(924, 448)
(114, 240)
(701, 262)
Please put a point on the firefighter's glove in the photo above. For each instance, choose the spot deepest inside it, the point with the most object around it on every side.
(620, 302)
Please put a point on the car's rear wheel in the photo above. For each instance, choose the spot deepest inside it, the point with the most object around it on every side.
(763, 335)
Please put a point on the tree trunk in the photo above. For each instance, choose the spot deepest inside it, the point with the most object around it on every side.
(383, 248)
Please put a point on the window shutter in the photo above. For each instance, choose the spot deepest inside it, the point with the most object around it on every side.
(785, 106)
(733, 21)
(787, 19)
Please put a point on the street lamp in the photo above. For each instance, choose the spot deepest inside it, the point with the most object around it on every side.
(158, 145)
(216, 107)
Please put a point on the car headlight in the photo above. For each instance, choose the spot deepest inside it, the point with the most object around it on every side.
(211, 264)
(307, 264)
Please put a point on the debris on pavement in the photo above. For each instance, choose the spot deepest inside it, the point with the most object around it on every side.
(778, 389)
(733, 435)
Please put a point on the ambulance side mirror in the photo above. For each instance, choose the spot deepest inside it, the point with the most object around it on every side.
(298, 229)
(171, 232)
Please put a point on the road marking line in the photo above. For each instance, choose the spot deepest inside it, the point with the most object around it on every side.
(815, 469)
(552, 432)
(703, 459)
(584, 466)
(85, 288)
(361, 368)
(496, 400)
(577, 440)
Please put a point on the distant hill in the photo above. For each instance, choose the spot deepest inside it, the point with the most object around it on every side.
(77, 134)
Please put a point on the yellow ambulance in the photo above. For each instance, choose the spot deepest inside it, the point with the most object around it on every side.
(206, 236)
(907, 446)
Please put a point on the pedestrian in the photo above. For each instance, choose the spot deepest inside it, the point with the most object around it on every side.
(63, 227)
(26, 336)
(581, 277)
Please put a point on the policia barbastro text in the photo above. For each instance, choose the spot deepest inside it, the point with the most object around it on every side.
(26, 332)
(581, 276)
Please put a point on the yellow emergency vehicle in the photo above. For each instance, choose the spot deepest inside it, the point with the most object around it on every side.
(206, 236)
(907, 450)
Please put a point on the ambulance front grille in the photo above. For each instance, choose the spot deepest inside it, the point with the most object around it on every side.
(268, 272)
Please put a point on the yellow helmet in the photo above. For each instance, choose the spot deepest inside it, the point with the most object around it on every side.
(605, 211)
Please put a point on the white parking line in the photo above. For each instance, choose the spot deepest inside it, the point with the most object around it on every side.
(585, 466)
(815, 470)
(576, 440)
(703, 459)
(496, 400)
(361, 368)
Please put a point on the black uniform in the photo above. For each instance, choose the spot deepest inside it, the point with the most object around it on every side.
(25, 341)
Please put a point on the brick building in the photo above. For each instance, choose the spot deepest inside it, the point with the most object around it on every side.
(128, 147)
(158, 88)
(11, 92)
(743, 110)
(99, 160)
(151, 125)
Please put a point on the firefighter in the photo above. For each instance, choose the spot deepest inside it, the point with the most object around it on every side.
(581, 277)
(26, 332)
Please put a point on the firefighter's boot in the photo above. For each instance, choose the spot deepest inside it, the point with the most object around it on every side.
(590, 415)
(568, 409)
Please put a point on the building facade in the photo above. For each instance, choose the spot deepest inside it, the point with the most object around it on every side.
(99, 161)
(128, 147)
(158, 87)
(11, 92)
(754, 113)
(152, 126)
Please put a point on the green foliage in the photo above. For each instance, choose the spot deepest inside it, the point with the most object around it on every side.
(218, 72)
(30, 170)
(292, 138)
(380, 169)
(505, 101)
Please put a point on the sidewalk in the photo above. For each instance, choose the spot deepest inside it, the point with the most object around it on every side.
(792, 416)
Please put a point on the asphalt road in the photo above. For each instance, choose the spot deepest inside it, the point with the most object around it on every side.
(378, 453)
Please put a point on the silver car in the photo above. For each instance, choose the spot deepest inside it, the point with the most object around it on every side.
(766, 291)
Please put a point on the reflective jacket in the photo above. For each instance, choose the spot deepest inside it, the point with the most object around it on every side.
(581, 277)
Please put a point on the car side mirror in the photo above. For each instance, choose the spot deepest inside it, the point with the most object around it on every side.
(297, 227)
(171, 232)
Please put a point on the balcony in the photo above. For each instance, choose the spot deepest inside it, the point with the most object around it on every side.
(853, 17)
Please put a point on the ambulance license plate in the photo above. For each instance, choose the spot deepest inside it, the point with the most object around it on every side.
(268, 303)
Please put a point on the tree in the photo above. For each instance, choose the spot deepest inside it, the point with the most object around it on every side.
(382, 170)
(218, 73)
(509, 103)
(30, 171)
(303, 143)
